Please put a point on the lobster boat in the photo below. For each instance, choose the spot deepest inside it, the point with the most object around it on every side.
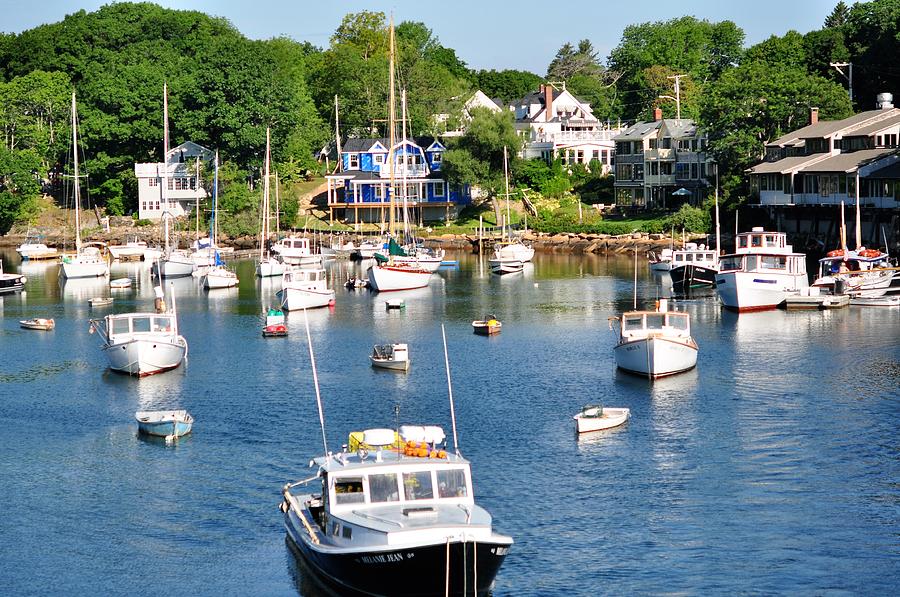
(390, 356)
(488, 326)
(655, 343)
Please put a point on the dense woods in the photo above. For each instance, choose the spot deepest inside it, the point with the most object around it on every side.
(225, 89)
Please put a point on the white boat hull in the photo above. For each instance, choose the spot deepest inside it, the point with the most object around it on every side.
(386, 278)
(269, 268)
(516, 251)
(173, 268)
(656, 356)
(309, 260)
(612, 417)
(126, 251)
(755, 291)
(146, 356)
(660, 266)
(79, 268)
(402, 365)
(506, 266)
(293, 299)
(218, 277)
(429, 264)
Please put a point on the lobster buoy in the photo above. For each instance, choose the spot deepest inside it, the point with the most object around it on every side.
(835, 253)
(870, 253)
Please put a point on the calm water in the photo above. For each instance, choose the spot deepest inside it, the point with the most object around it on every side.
(772, 468)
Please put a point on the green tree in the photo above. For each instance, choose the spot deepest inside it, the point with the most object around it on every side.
(872, 39)
(838, 16)
(754, 104)
(786, 51)
(507, 85)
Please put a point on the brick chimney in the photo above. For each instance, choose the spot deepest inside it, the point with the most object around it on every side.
(657, 113)
(813, 115)
(548, 102)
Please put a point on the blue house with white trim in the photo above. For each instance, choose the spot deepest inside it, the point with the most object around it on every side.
(361, 192)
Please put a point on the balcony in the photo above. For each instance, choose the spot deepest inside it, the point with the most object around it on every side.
(401, 170)
(597, 136)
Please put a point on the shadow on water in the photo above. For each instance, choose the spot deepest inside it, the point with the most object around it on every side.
(40, 372)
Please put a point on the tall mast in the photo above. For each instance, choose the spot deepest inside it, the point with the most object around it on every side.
(506, 177)
(277, 208)
(165, 164)
(75, 162)
(215, 227)
(392, 116)
(404, 193)
(197, 196)
(265, 222)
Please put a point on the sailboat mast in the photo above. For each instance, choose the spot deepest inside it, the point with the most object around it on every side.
(404, 194)
(858, 225)
(506, 177)
(75, 162)
(277, 208)
(392, 116)
(165, 164)
(265, 222)
(450, 391)
(215, 226)
(197, 196)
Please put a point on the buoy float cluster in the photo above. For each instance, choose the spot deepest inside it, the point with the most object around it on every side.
(422, 450)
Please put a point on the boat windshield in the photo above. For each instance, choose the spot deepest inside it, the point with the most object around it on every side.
(140, 324)
(452, 483)
(731, 263)
(383, 488)
(349, 490)
(773, 262)
(120, 326)
(655, 321)
(679, 321)
(417, 485)
(632, 323)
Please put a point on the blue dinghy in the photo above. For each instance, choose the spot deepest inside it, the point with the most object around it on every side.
(169, 424)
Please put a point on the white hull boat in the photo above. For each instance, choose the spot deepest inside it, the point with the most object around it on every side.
(11, 282)
(88, 263)
(177, 265)
(655, 343)
(305, 289)
(429, 264)
(268, 268)
(384, 278)
(761, 273)
(390, 356)
(220, 277)
(30, 250)
(596, 418)
(516, 251)
(141, 344)
(129, 250)
(501, 265)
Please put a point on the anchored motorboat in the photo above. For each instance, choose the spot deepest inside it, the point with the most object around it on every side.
(595, 417)
(390, 356)
(655, 343)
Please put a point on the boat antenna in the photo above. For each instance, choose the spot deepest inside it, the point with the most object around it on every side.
(312, 360)
(450, 391)
(635, 280)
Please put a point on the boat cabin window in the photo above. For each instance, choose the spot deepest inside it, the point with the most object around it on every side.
(417, 485)
(162, 324)
(655, 321)
(452, 483)
(678, 321)
(730, 263)
(756, 240)
(771, 240)
(349, 490)
(773, 262)
(140, 324)
(383, 488)
(750, 264)
(120, 326)
(679, 257)
(710, 257)
(631, 323)
(688, 257)
(742, 242)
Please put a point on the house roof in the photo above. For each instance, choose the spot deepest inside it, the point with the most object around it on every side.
(827, 128)
(637, 131)
(357, 145)
(677, 128)
(875, 127)
(847, 162)
(787, 165)
(891, 171)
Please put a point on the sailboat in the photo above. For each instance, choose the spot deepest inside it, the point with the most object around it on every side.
(508, 257)
(391, 275)
(268, 264)
(174, 262)
(87, 261)
(217, 276)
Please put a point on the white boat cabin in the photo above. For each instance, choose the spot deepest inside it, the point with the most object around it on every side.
(765, 253)
(300, 276)
(641, 324)
(296, 246)
(760, 241)
(128, 324)
(691, 254)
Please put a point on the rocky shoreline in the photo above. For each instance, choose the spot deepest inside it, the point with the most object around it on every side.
(122, 229)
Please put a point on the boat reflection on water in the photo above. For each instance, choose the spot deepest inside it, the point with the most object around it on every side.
(81, 289)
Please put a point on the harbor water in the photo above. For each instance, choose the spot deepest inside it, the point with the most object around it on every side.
(772, 468)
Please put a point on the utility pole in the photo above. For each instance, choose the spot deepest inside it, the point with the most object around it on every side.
(677, 79)
(337, 135)
(848, 75)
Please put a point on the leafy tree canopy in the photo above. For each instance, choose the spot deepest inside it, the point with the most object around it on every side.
(507, 85)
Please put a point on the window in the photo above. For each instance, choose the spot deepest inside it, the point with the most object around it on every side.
(730, 263)
(689, 257)
(349, 490)
(438, 189)
(773, 262)
(417, 485)
(756, 240)
(383, 488)
(452, 483)
(679, 322)
(751, 263)
(652, 143)
(654, 168)
(655, 320)
(120, 326)
(695, 170)
(665, 168)
(347, 532)
(157, 206)
(378, 158)
(682, 171)
(353, 160)
(140, 324)
(162, 324)
(638, 172)
(623, 171)
(143, 206)
(684, 144)
(379, 192)
(153, 182)
(632, 323)
(436, 157)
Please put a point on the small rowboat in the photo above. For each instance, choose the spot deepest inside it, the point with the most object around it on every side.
(38, 323)
(488, 326)
(169, 424)
(390, 356)
(595, 418)
(120, 283)
(100, 301)
(275, 326)
(395, 304)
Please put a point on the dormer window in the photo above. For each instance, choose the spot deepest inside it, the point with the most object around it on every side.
(378, 159)
(436, 157)
(354, 161)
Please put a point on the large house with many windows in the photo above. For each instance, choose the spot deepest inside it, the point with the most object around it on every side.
(183, 188)
(556, 124)
(661, 164)
(828, 162)
(361, 191)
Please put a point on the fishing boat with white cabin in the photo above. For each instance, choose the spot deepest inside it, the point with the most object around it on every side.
(390, 356)
(693, 266)
(655, 343)
(142, 343)
(11, 282)
(305, 288)
(761, 273)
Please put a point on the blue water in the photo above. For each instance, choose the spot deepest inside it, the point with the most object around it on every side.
(772, 468)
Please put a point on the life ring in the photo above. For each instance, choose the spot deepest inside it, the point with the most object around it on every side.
(870, 253)
(835, 253)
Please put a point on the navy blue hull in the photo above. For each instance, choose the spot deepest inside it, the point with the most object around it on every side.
(412, 572)
(692, 276)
